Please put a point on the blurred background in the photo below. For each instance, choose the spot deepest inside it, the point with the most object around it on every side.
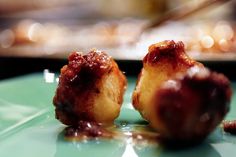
(39, 34)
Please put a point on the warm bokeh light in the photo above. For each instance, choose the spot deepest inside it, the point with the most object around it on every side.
(224, 45)
(6, 38)
(207, 41)
(223, 30)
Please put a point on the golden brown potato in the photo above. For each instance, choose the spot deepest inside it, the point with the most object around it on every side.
(163, 61)
(178, 96)
(91, 88)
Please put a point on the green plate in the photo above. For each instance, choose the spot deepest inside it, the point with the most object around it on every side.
(28, 127)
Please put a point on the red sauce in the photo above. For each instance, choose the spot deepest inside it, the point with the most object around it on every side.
(168, 51)
(87, 130)
(140, 135)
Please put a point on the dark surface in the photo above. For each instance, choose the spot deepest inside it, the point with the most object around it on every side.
(15, 66)
(12, 66)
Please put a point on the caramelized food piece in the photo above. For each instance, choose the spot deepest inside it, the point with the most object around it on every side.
(191, 105)
(179, 97)
(91, 88)
(162, 62)
(230, 126)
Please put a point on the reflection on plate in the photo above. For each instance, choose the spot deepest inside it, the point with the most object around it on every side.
(35, 131)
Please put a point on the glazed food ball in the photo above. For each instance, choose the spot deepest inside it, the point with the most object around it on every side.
(90, 88)
(181, 99)
(162, 62)
(190, 106)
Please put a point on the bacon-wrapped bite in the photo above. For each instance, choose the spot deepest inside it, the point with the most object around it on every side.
(90, 88)
(180, 98)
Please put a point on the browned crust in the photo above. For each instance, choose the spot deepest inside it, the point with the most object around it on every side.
(80, 83)
(168, 51)
(92, 64)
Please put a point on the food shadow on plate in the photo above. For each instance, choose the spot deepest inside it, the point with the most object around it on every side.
(129, 142)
